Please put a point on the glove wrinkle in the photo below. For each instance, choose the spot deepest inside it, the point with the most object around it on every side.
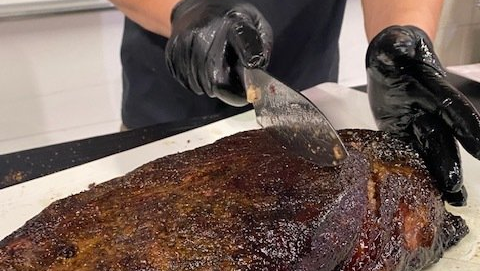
(454, 108)
(440, 152)
(410, 97)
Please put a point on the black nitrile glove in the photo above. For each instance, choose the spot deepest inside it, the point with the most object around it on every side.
(410, 97)
(208, 38)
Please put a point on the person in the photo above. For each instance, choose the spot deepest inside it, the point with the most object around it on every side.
(180, 60)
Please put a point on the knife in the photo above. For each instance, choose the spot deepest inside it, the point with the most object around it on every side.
(291, 118)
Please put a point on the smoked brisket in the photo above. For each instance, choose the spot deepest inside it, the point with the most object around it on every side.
(246, 203)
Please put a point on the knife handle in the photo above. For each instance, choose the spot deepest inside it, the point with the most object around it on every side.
(252, 92)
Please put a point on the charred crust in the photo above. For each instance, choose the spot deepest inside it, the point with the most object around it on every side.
(245, 203)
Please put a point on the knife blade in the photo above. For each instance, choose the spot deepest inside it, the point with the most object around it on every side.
(293, 119)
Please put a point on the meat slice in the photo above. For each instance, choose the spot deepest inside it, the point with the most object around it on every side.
(245, 203)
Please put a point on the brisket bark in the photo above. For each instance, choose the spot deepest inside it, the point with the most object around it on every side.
(245, 203)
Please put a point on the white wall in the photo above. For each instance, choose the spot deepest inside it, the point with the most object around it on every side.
(353, 46)
(458, 38)
(60, 78)
(16, 8)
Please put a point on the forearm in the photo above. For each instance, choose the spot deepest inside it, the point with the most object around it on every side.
(379, 14)
(153, 15)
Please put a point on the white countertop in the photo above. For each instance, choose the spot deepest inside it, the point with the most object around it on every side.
(471, 71)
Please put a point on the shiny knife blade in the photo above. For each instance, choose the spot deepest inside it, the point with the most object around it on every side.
(293, 119)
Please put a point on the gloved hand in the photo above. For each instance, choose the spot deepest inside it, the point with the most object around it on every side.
(209, 39)
(410, 97)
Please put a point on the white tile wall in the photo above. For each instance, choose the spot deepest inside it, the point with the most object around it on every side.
(61, 75)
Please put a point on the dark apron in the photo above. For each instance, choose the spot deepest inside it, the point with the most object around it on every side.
(305, 53)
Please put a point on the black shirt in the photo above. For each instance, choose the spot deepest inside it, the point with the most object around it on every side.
(305, 53)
